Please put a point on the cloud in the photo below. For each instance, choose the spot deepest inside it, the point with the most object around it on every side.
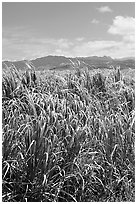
(18, 43)
(104, 9)
(95, 21)
(122, 26)
(64, 43)
(24, 43)
(114, 49)
(79, 39)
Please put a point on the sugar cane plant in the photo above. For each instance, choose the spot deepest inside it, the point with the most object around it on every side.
(68, 138)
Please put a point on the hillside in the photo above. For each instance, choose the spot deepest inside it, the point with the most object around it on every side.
(63, 63)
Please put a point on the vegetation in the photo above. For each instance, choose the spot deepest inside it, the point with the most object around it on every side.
(68, 138)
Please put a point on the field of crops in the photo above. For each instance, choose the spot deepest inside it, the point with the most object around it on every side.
(68, 137)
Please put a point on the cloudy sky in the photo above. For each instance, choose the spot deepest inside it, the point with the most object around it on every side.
(31, 30)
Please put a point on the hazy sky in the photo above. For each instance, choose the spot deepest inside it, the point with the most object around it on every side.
(31, 30)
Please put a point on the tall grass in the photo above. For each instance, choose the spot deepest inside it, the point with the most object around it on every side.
(68, 138)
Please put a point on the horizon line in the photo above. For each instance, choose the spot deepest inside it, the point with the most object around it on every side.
(10, 60)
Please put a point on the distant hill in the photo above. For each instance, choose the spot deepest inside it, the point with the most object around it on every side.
(50, 61)
(69, 63)
(126, 58)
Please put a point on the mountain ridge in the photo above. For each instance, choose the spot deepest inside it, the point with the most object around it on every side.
(51, 62)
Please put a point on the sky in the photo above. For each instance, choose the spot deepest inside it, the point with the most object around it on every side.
(31, 30)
